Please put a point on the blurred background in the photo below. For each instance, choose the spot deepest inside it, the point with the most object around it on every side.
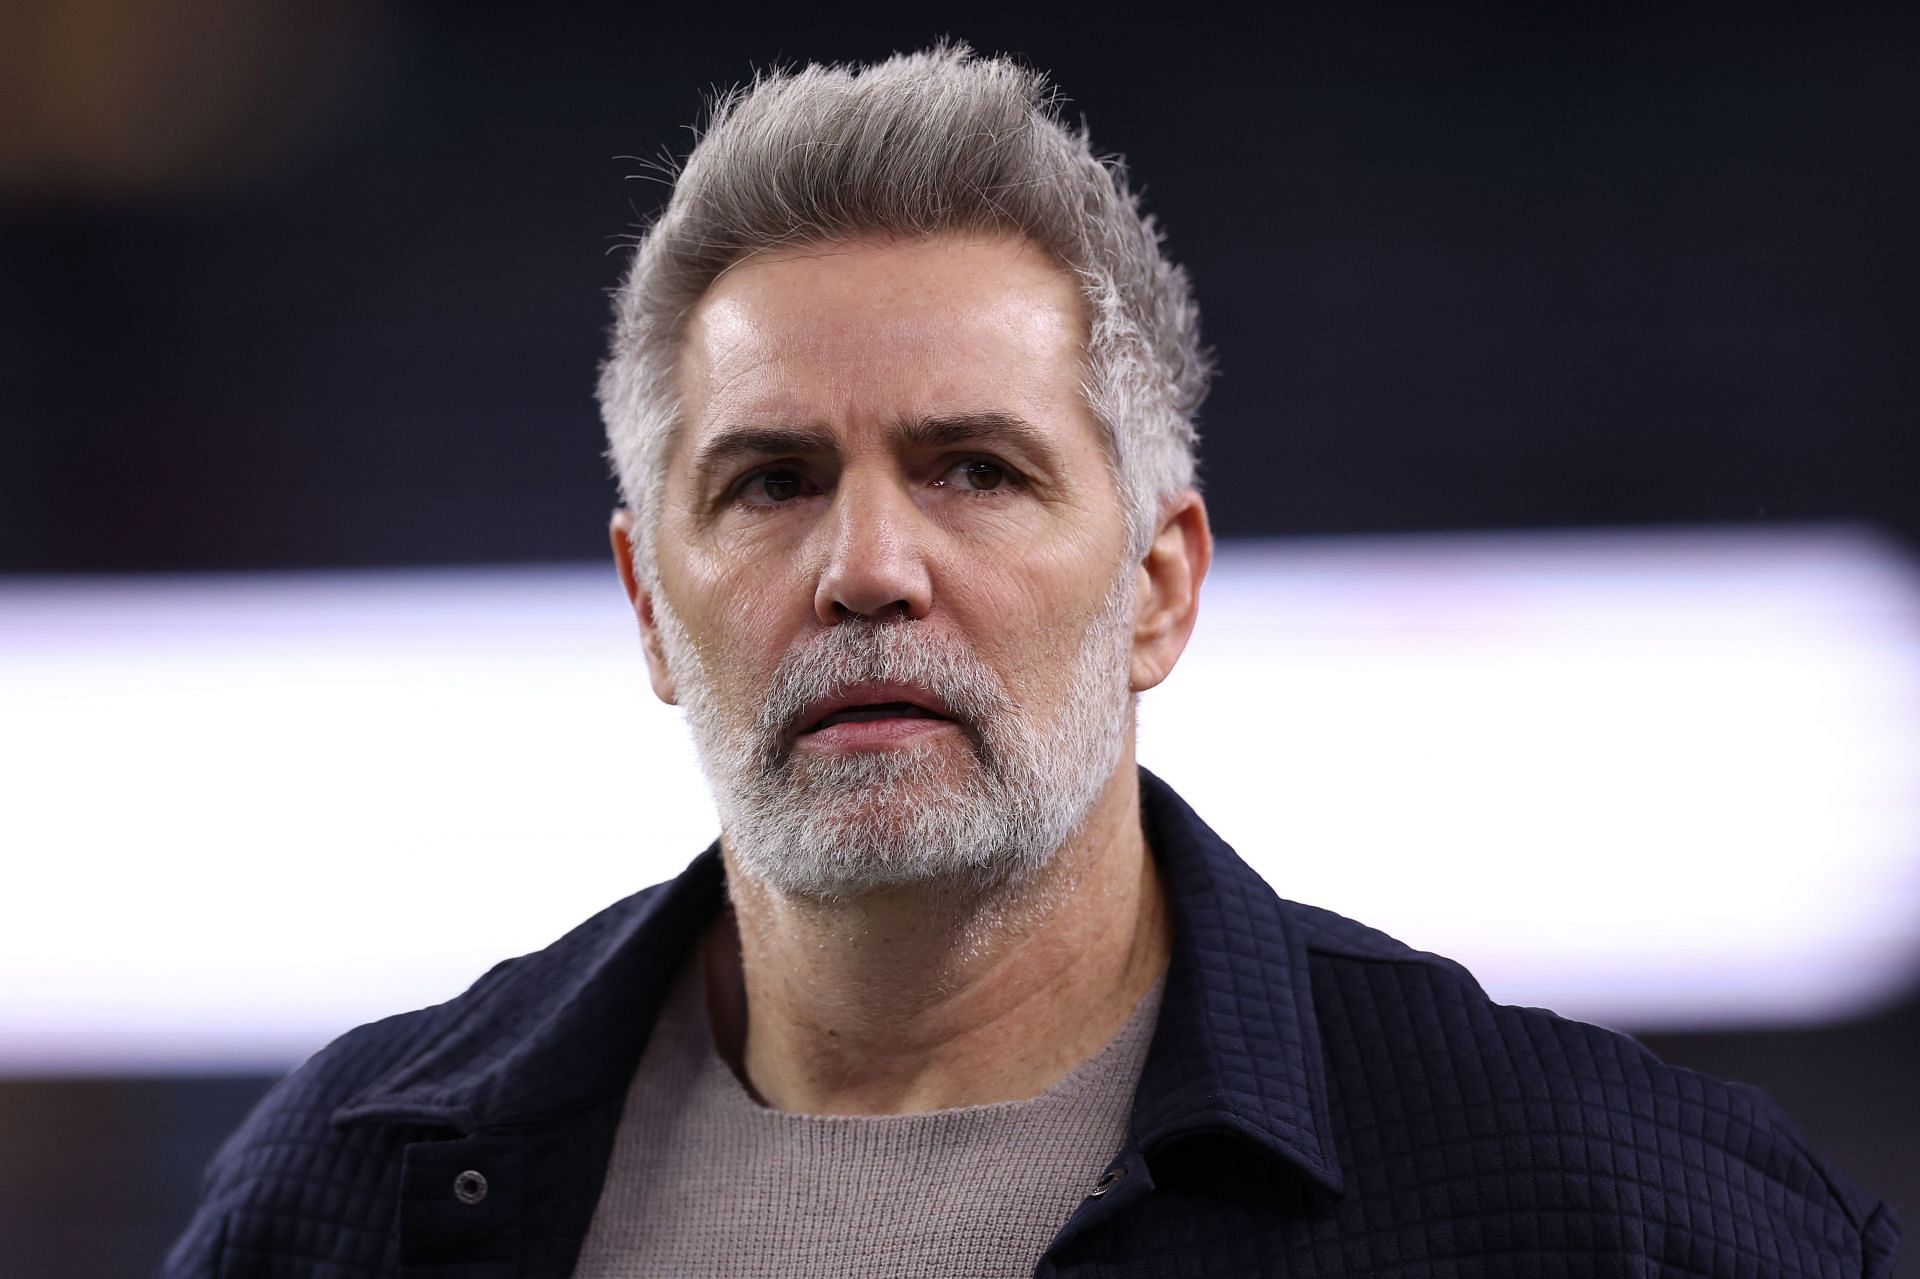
(1565, 450)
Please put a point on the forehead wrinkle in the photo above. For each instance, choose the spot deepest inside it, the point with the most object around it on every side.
(723, 347)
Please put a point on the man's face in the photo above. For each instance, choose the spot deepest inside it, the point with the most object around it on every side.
(890, 583)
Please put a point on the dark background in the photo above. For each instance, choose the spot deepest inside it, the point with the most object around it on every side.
(288, 285)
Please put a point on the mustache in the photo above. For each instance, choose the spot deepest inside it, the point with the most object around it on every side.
(858, 651)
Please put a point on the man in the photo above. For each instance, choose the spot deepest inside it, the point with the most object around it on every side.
(901, 397)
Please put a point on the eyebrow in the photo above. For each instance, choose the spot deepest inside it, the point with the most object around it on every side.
(755, 441)
(943, 431)
(1006, 429)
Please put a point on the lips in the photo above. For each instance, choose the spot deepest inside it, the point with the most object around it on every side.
(863, 702)
(885, 710)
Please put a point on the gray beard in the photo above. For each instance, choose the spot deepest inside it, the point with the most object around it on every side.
(834, 827)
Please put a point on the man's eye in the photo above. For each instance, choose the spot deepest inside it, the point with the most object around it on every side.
(977, 476)
(770, 488)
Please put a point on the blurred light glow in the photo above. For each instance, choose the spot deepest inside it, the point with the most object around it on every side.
(1647, 779)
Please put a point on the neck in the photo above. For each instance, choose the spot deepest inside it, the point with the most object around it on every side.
(913, 999)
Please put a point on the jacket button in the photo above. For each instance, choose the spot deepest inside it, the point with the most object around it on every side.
(469, 1187)
(1106, 1181)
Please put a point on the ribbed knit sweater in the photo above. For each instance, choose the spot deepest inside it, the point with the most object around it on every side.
(706, 1181)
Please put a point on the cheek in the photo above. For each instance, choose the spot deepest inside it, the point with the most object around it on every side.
(1033, 633)
(739, 622)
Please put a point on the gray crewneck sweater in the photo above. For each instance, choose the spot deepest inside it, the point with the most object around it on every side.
(705, 1181)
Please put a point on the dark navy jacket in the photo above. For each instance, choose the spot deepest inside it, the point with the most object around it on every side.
(1318, 1100)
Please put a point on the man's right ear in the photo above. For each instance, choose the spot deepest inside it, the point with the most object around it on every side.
(620, 532)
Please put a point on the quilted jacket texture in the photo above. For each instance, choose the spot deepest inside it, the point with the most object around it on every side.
(1318, 1100)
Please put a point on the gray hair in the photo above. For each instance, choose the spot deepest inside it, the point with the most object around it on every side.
(921, 144)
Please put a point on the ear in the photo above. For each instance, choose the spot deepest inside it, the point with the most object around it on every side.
(1168, 597)
(620, 532)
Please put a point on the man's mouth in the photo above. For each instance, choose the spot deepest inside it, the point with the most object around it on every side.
(880, 710)
(870, 702)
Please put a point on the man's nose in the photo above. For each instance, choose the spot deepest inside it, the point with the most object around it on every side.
(876, 565)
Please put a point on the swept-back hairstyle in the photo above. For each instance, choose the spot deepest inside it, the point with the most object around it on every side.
(920, 144)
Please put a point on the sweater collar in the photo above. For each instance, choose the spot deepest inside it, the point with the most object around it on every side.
(1236, 1049)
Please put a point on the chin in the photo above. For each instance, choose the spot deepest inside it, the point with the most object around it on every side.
(886, 828)
(951, 814)
(902, 778)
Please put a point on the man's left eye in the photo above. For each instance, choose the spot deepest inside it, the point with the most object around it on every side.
(976, 476)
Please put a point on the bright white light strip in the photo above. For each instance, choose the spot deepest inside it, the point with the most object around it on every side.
(1650, 779)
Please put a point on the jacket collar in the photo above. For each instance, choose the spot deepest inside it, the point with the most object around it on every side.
(551, 1032)
(1236, 1050)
